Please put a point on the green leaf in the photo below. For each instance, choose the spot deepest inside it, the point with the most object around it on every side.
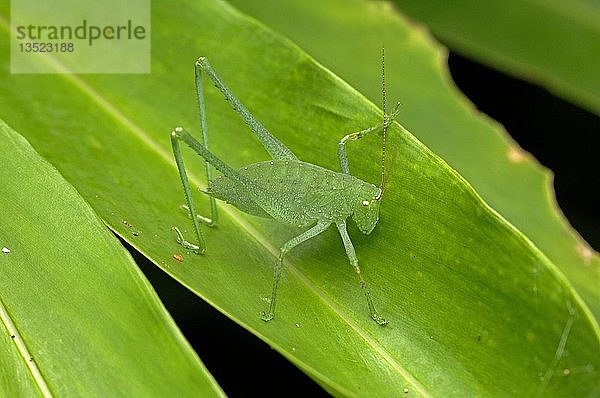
(433, 110)
(78, 317)
(474, 307)
(555, 43)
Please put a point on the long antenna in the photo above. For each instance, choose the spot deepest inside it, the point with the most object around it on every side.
(385, 116)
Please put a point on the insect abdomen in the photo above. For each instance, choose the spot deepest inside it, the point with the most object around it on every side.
(292, 191)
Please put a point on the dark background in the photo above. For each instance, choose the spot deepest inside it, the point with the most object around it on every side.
(562, 136)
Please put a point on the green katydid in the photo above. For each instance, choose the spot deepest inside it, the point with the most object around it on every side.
(284, 188)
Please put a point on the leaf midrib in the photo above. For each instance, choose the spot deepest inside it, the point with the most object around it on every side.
(15, 336)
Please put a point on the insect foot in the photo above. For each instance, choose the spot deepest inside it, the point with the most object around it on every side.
(266, 316)
(381, 321)
(185, 243)
(388, 119)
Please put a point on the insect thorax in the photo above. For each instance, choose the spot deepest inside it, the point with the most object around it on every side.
(299, 193)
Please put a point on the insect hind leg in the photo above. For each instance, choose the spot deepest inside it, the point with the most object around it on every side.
(200, 248)
(274, 147)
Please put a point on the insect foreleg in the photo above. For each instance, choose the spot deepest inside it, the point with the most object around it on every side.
(342, 155)
(289, 245)
(341, 225)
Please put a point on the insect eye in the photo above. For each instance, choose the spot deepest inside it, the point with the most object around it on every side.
(365, 202)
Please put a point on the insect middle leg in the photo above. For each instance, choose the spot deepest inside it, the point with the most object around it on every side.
(289, 245)
(341, 225)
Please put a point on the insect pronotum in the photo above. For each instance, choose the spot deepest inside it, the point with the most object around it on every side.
(284, 188)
